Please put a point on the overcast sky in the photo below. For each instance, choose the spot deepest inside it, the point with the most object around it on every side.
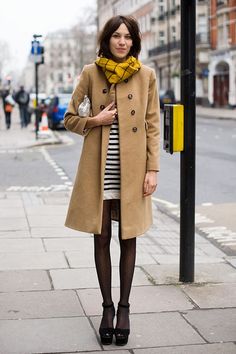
(20, 19)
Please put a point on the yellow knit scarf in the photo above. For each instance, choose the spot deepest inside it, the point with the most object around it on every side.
(118, 72)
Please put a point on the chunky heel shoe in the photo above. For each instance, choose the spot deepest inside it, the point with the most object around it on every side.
(106, 333)
(122, 334)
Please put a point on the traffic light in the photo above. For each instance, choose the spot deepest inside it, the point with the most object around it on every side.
(42, 54)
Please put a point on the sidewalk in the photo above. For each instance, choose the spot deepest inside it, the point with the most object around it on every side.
(50, 300)
(17, 138)
(217, 113)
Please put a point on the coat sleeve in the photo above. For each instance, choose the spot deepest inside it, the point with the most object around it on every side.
(72, 120)
(153, 126)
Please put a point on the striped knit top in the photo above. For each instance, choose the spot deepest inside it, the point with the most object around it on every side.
(112, 169)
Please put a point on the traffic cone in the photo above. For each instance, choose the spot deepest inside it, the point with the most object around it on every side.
(44, 123)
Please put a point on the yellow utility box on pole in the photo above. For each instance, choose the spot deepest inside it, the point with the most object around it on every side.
(173, 128)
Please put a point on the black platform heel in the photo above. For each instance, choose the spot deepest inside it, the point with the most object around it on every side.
(106, 334)
(122, 334)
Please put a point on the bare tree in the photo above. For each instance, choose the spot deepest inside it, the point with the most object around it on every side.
(85, 34)
(4, 56)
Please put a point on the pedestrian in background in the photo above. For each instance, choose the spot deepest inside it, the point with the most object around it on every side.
(8, 104)
(120, 159)
(22, 98)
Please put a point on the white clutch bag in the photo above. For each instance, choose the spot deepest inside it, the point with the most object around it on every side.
(84, 107)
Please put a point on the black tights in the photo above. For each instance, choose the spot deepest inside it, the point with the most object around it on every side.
(103, 266)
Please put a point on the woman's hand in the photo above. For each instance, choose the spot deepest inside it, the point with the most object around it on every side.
(107, 115)
(150, 183)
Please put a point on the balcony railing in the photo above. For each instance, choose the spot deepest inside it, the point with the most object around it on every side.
(201, 38)
(164, 48)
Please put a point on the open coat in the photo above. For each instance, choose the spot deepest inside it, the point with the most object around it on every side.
(139, 133)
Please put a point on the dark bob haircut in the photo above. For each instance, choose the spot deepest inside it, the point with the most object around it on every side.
(111, 26)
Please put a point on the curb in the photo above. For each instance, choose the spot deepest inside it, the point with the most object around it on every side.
(55, 140)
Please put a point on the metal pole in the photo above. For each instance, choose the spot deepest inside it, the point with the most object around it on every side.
(36, 101)
(187, 180)
(168, 45)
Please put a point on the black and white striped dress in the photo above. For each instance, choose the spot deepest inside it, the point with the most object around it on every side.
(112, 169)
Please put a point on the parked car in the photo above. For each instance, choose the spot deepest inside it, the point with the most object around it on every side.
(166, 96)
(56, 109)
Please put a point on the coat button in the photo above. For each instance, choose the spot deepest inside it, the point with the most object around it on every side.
(126, 80)
(134, 129)
(133, 112)
(102, 107)
(130, 96)
(104, 90)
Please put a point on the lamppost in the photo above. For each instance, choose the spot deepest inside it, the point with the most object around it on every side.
(168, 45)
(37, 51)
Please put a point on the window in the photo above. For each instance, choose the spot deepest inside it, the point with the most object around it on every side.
(173, 33)
(161, 38)
(161, 6)
(202, 28)
(60, 77)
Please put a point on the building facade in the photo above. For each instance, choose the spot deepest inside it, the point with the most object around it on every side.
(66, 52)
(222, 67)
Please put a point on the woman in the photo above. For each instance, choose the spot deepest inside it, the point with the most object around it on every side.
(118, 166)
(8, 104)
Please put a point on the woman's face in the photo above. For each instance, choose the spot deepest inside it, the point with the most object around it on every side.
(120, 43)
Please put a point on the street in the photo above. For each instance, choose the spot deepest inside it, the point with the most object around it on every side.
(48, 283)
(54, 167)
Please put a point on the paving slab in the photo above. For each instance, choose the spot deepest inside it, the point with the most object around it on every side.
(57, 201)
(80, 259)
(175, 259)
(222, 348)
(47, 336)
(40, 304)
(55, 232)
(24, 280)
(11, 202)
(47, 260)
(7, 212)
(144, 258)
(143, 299)
(114, 351)
(12, 223)
(204, 273)
(87, 278)
(15, 234)
(46, 221)
(85, 256)
(83, 244)
(212, 295)
(232, 261)
(151, 330)
(39, 210)
(215, 325)
(21, 245)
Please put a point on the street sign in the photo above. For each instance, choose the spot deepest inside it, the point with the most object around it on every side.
(37, 51)
(35, 48)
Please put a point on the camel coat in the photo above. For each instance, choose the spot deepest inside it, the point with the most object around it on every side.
(139, 133)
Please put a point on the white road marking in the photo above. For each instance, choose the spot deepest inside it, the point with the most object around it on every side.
(220, 234)
(59, 171)
(52, 188)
